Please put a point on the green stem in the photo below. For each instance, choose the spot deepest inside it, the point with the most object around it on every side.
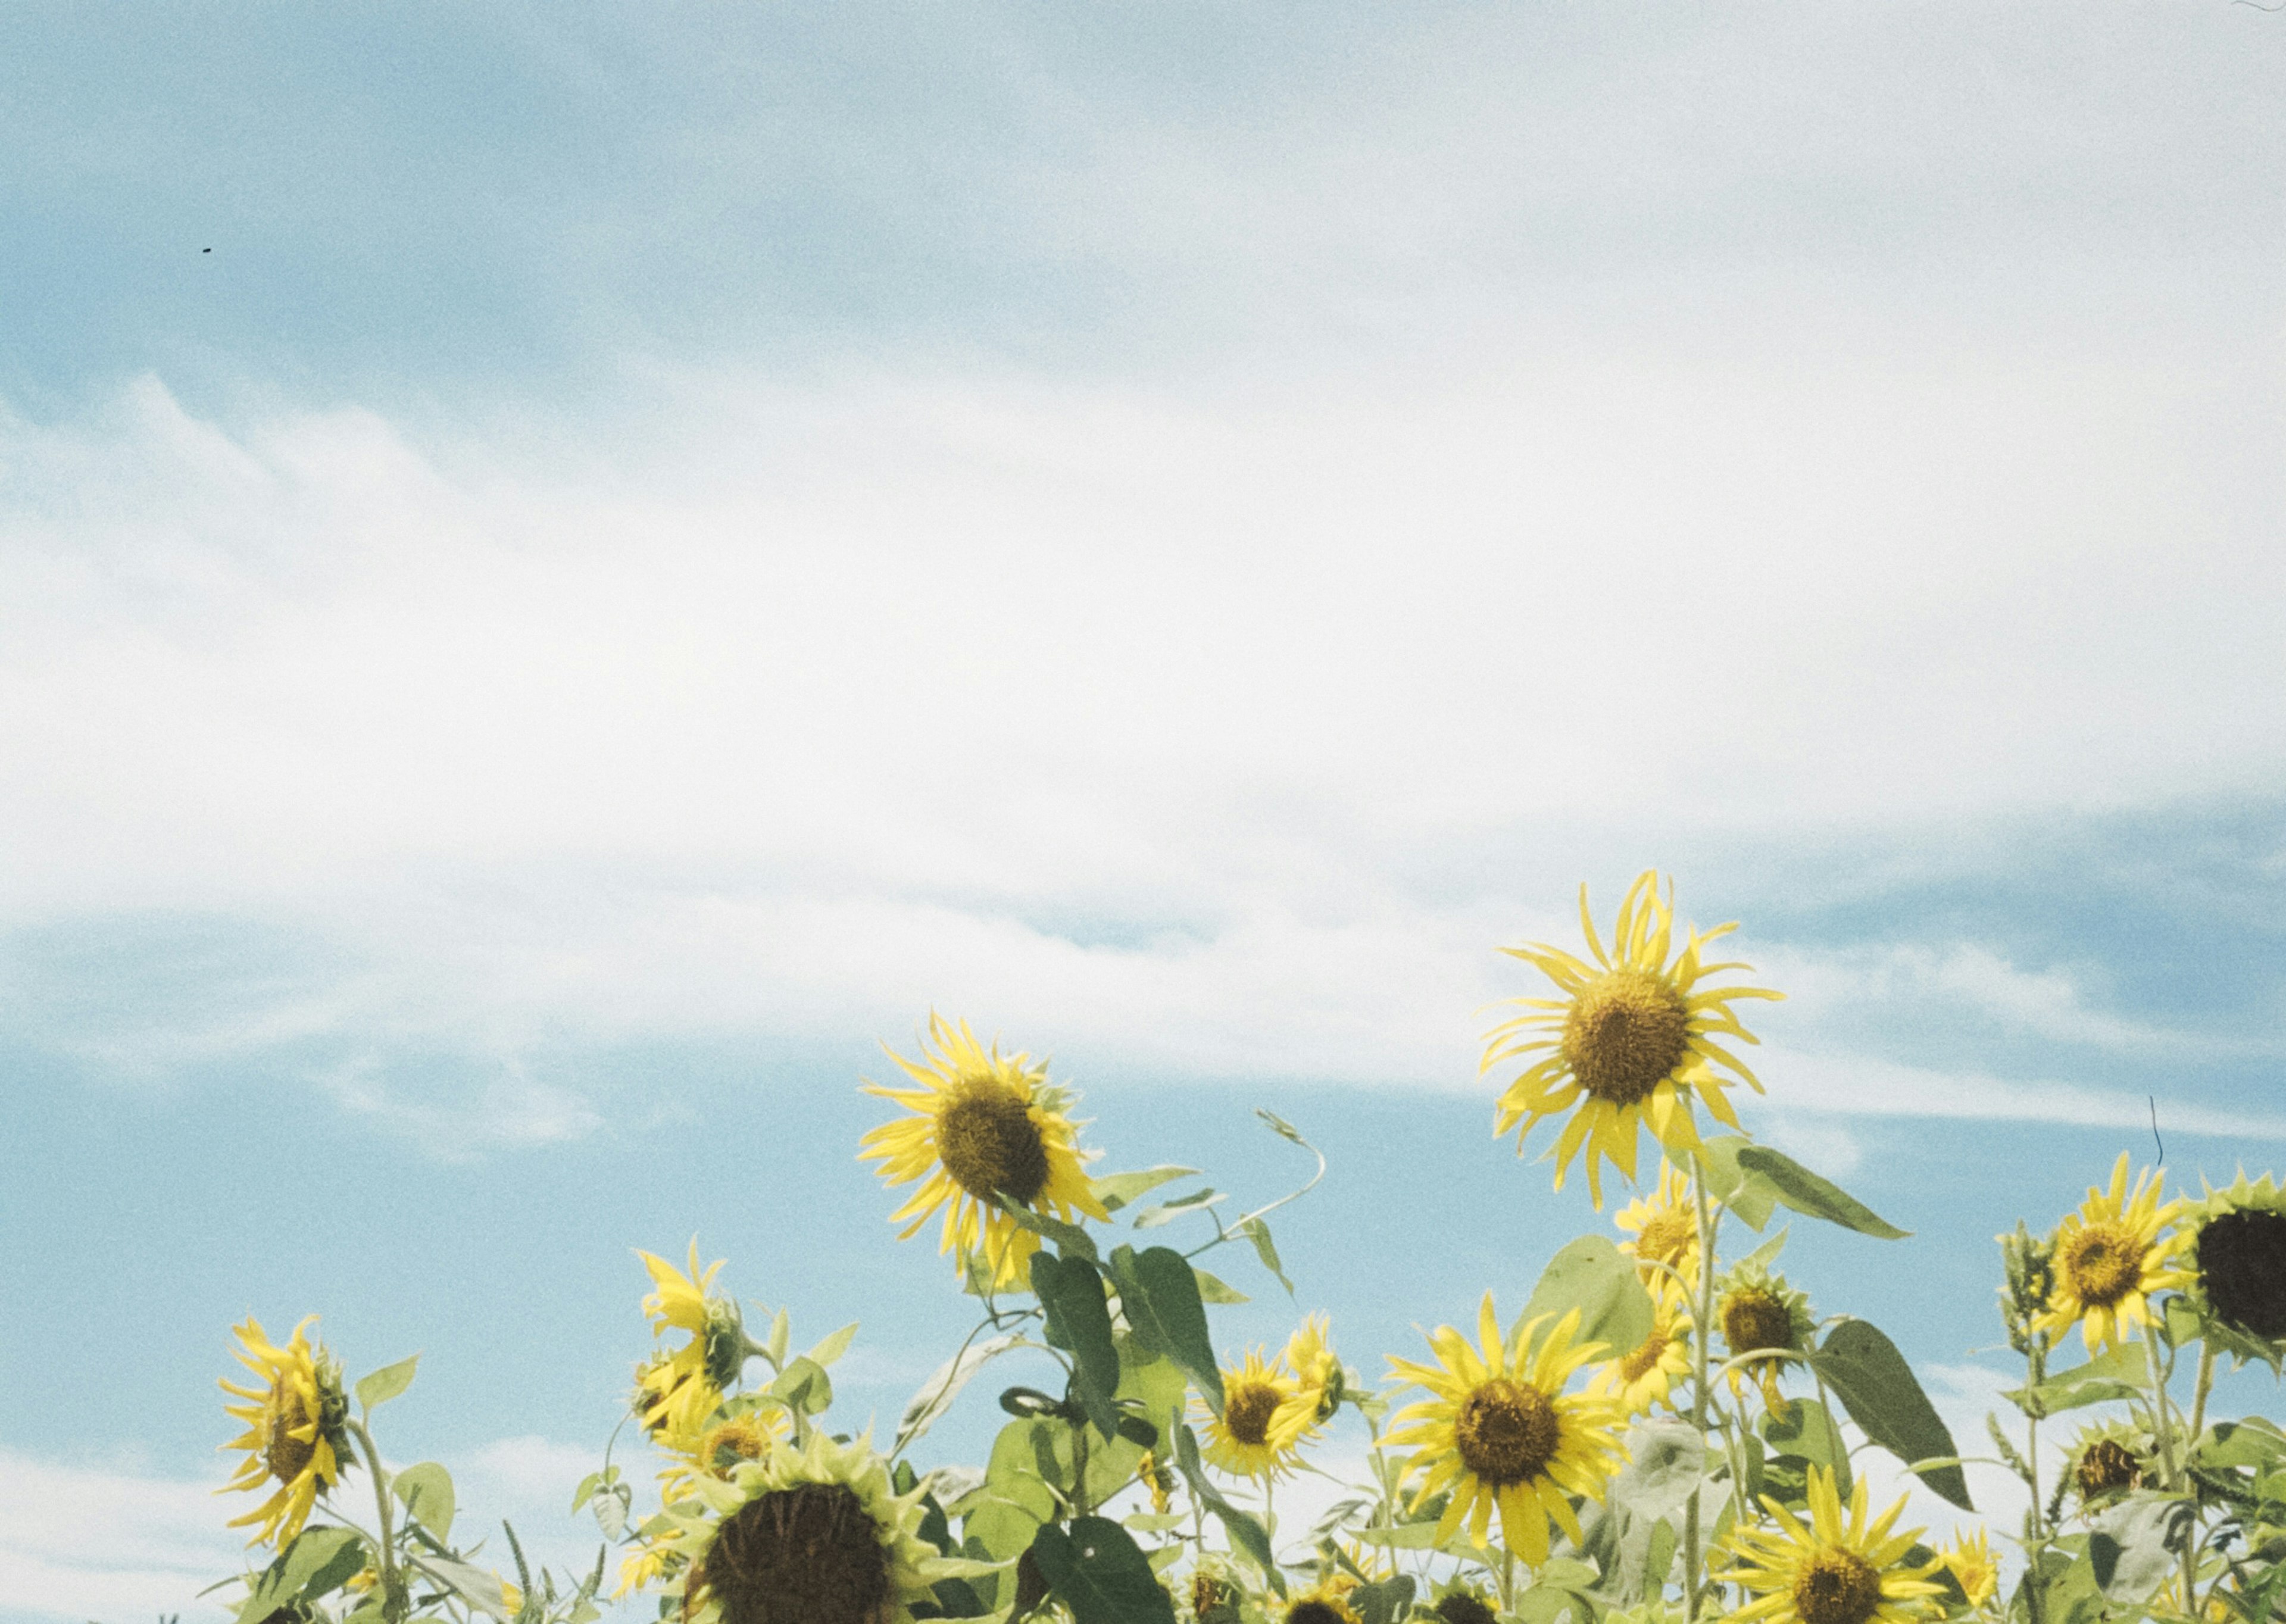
(1693, 1579)
(2161, 1414)
(2199, 1394)
(393, 1599)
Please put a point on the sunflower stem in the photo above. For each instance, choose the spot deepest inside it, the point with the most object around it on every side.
(393, 1599)
(2163, 1414)
(2199, 1394)
(1692, 1577)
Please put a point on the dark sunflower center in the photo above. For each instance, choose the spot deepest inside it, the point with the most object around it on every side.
(1507, 1431)
(988, 1142)
(1459, 1609)
(1755, 1319)
(2105, 1465)
(1667, 1238)
(1247, 1407)
(1836, 1587)
(1624, 1036)
(2101, 1264)
(1645, 1359)
(2242, 1260)
(1315, 1612)
(800, 1555)
(286, 1455)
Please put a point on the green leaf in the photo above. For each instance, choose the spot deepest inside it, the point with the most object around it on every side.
(2120, 1373)
(1384, 1603)
(1255, 1230)
(2127, 1549)
(1168, 1211)
(1283, 1129)
(803, 1385)
(1079, 1322)
(427, 1492)
(1804, 1429)
(320, 1561)
(927, 1405)
(386, 1382)
(1748, 1195)
(1591, 1275)
(1813, 1196)
(834, 1346)
(2228, 1444)
(1666, 1460)
(1097, 1571)
(1070, 1237)
(1117, 1190)
(781, 1333)
(1154, 1388)
(1245, 1532)
(1884, 1398)
(473, 1585)
(1160, 1294)
(1016, 1499)
(1214, 1290)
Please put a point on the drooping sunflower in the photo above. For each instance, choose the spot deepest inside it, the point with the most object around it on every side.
(1974, 1567)
(1265, 1416)
(1460, 1602)
(1840, 1569)
(2107, 1460)
(1758, 1312)
(1664, 1223)
(1500, 1433)
(1316, 1368)
(1643, 1378)
(1631, 1040)
(1326, 1602)
(296, 1432)
(816, 1535)
(687, 1386)
(2236, 1247)
(2112, 1258)
(986, 1130)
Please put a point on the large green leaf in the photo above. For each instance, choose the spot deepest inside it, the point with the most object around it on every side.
(1748, 1195)
(923, 1409)
(1382, 1602)
(427, 1492)
(1070, 1237)
(1117, 1190)
(1804, 1431)
(1666, 1460)
(2127, 1549)
(1152, 1388)
(1098, 1571)
(1016, 1499)
(1079, 1322)
(1884, 1398)
(386, 1382)
(1255, 1230)
(1244, 1532)
(474, 1587)
(320, 1561)
(803, 1385)
(1591, 1275)
(1160, 1294)
(1813, 1196)
(2121, 1373)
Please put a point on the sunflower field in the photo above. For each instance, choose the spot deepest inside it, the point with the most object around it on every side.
(1662, 1431)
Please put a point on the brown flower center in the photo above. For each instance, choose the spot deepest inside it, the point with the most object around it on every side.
(1316, 1612)
(286, 1455)
(1836, 1587)
(1754, 1318)
(2242, 1258)
(2105, 1465)
(741, 1438)
(1626, 1034)
(1507, 1431)
(2100, 1263)
(799, 1556)
(1247, 1407)
(988, 1142)
(1645, 1359)
(1462, 1609)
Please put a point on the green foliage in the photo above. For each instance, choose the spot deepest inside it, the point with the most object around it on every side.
(1591, 1275)
(1159, 1293)
(385, 1384)
(427, 1492)
(1097, 1570)
(1796, 1186)
(1882, 1395)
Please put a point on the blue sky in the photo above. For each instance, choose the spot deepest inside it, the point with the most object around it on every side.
(654, 550)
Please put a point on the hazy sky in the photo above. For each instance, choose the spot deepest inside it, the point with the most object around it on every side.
(563, 571)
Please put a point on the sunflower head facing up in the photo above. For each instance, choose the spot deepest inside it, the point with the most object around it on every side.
(811, 1536)
(2112, 1258)
(1663, 1227)
(1643, 1378)
(1266, 1416)
(2236, 1249)
(1758, 1312)
(1499, 1432)
(1973, 1567)
(1631, 1040)
(1838, 1569)
(1316, 1368)
(297, 1434)
(986, 1132)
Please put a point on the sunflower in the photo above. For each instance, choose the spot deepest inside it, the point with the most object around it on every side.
(1838, 1570)
(816, 1535)
(1499, 1430)
(1459, 1602)
(1643, 1379)
(695, 1375)
(1974, 1567)
(2236, 1251)
(1315, 1366)
(1266, 1415)
(745, 1434)
(297, 1429)
(2112, 1258)
(986, 1132)
(1758, 1312)
(1665, 1227)
(2108, 1461)
(670, 1402)
(1632, 1036)
(1324, 1603)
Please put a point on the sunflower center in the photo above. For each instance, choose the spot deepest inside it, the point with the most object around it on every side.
(1247, 1407)
(1645, 1359)
(1460, 1609)
(2101, 1264)
(739, 1438)
(2242, 1260)
(1666, 1237)
(1836, 1587)
(287, 1457)
(1505, 1431)
(1316, 1613)
(1626, 1032)
(799, 1556)
(2105, 1465)
(1755, 1319)
(988, 1142)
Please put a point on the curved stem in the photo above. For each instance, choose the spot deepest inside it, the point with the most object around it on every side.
(1692, 1563)
(392, 1587)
